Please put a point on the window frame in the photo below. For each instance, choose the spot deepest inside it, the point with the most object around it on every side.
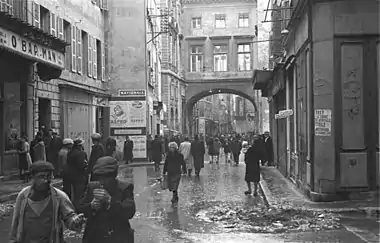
(220, 17)
(94, 58)
(73, 49)
(103, 78)
(36, 15)
(7, 6)
(89, 56)
(223, 53)
(196, 55)
(239, 53)
(53, 24)
(194, 21)
(243, 17)
(79, 51)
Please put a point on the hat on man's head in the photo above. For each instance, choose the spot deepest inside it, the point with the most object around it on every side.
(96, 136)
(41, 166)
(67, 141)
(78, 141)
(105, 166)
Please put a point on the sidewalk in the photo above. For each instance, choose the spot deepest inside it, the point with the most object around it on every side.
(278, 190)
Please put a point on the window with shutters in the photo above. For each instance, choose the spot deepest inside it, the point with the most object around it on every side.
(103, 62)
(36, 15)
(67, 37)
(99, 58)
(73, 49)
(94, 59)
(53, 24)
(60, 28)
(6, 6)
(89, 56)
(79, 51)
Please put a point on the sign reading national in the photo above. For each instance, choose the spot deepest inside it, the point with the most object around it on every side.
(16, 43)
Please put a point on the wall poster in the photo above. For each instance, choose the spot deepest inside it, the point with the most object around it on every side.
(322, 122)
(126, 113)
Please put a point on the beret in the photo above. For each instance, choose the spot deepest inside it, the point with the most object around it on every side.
(105, 166)
(41, 166)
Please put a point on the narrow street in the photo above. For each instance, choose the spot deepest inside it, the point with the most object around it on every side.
(220, 186)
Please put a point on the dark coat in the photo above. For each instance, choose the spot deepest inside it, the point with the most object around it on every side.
(174, 163)
(76, 165)
(252, 159)
(109, 226)
(128, 150)
(210, 146)
(269, 149)
(52, 152)
(198, 152)
(97, 151)
(156, 150)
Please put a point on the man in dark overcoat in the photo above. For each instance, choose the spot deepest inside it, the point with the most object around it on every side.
(53, 149)
(97, 151)
(268, 143)
(128, 150)
(198, 153)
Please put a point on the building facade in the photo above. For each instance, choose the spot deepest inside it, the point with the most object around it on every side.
(173, 86)
(53, 77)
(219, 40)
(324, 96)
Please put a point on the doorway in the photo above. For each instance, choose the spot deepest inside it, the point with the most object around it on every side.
(44, 113)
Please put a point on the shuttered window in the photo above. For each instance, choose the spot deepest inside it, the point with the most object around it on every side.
(36, 15)
(103, 63)
(95, 58)
(89, 58)
(53, 24)
(73, 49)
(60, 28)
(79, 51)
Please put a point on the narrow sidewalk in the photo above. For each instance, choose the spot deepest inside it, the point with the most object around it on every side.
(278, 190)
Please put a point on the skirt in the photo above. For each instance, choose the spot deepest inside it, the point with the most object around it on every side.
(173, 181)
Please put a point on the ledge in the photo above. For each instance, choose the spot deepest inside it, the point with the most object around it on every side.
(244, 36)
(195, 37)
(223, 37)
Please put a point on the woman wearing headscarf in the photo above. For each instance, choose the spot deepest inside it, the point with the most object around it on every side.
(243, 150)
(174, 164)
(185, 150)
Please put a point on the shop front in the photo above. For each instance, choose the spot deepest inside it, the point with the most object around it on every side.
(21, 60)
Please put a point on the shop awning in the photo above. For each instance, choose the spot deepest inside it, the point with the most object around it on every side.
(261, 79)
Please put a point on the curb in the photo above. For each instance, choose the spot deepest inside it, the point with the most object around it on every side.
(13, 195)
(269, 200)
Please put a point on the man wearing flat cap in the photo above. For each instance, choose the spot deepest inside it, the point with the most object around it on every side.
(108, 205)
(41, 208)
(97, 151)
(77, 170)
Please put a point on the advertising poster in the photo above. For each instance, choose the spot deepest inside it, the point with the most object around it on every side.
(322, 122)
(126, 113)
(139, 146)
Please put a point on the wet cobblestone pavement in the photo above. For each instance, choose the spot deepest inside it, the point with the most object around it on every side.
(207, 209)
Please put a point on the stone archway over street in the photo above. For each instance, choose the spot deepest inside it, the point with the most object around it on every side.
(197, 90)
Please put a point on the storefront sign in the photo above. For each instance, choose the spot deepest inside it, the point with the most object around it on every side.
(322, 122)
(132, 93)
(125, 114)
(283, 114)
(127, 131)
(139, 146)
(25, 47)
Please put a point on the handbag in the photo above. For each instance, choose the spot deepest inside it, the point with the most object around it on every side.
(164, 182)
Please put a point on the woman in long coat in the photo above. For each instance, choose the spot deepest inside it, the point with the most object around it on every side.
(185, 150)
(252, 169)
(174, 164)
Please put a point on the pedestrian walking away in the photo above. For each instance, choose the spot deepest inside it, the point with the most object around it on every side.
(62, 163)
(41, 208)
(156, 150)
(173, 167)
(128, 150)
(108, 205)
(198, 152)
(252, 162)
(97, 151)
(185, 150)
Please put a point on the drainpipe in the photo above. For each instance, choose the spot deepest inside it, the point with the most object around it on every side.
(287, 125)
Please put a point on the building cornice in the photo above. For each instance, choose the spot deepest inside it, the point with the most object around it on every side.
(220, 37)
(244, 36)
(201, 38)
(203, 2)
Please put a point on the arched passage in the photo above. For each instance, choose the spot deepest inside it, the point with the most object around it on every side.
(198, 96)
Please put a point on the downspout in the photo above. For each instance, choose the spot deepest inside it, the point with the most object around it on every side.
(311, 93)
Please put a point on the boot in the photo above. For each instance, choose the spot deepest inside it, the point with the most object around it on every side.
(189, 172)
(175, 197)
